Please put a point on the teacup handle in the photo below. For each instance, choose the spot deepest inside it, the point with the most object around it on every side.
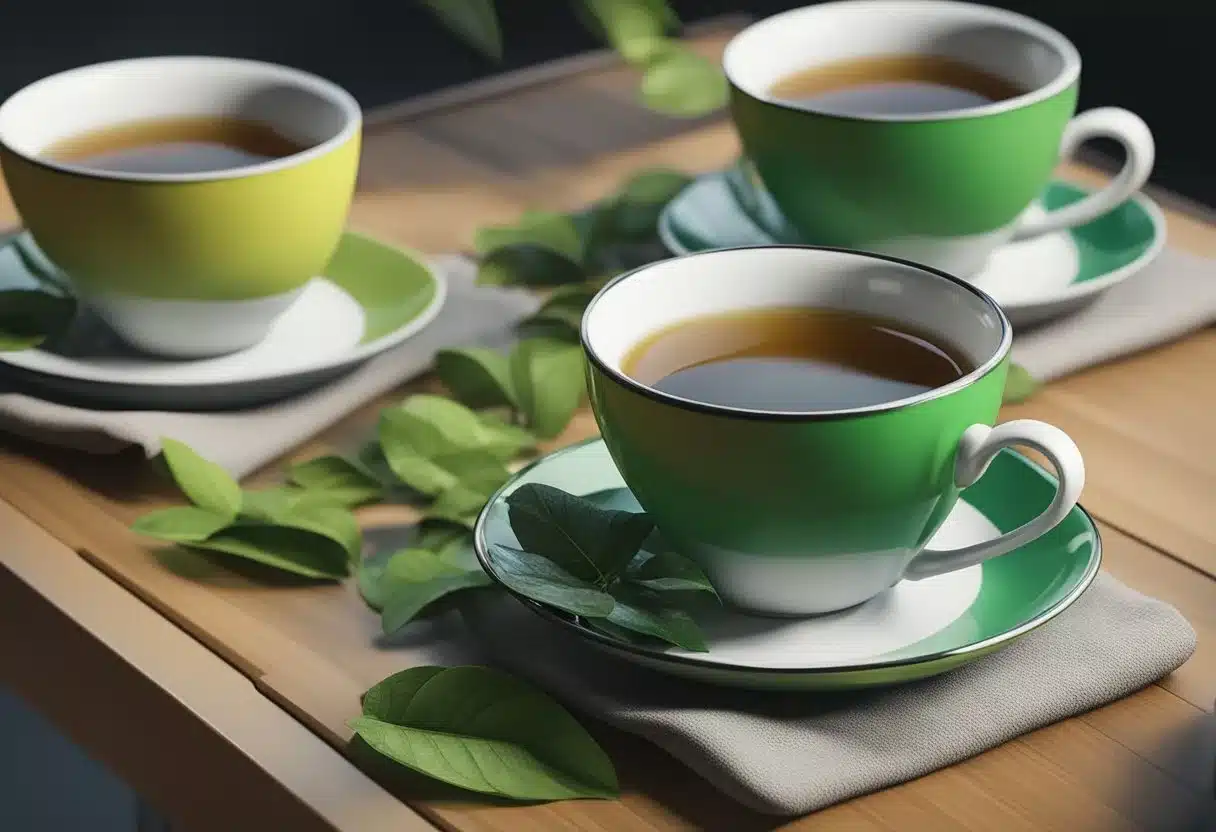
(1123, 126)
(976, 449)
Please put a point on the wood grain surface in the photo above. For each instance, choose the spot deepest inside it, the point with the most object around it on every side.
(429, 178)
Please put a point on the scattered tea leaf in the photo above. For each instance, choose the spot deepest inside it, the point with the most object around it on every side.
(296, 508)
(415, 578)
(290, 550)
(477, 376)
(1020, 385)
(544, 581)
(343, 481)
(645, 612)
(642, 199)
(369, 579)
(425, 459)
(370, 460)
(549, 380)
(668, 571)
(589, 542)
(474, 21)
(634, 28)
(543, 229)
(30, 316)
(524, 264)
(463, 502)
(206, 484)
(463, 429)
(484, 731)
(180, 524)
(557, 323)
(680, 82)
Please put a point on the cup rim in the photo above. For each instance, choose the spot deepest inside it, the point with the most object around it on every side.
(756, 414)
(321, 87)
(1064, 48)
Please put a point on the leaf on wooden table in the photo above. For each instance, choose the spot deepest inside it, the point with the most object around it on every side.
(340, 479)
(634, 28)
(524, 264)
(415, 578)
(682, 83)
(549, 378)
(180, 524)
(204, 483)
(543, 229)
(289, 550)
(485, 731)
(477, 376)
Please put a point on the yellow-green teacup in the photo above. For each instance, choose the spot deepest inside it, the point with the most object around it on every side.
(185, 264)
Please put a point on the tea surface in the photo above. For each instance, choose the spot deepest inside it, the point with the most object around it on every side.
(893, 85)
(793, 360)
(177, 145)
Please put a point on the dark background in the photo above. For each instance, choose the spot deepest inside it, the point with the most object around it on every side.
(1151, 56)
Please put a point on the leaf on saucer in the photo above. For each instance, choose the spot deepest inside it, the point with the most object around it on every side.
(543, 229)
(180, 524)
(545, 582)
(477, 376)
(204, 483)
(288, 549)
(549, 380)
(668, 571)
(589, 542)
(485, 731)
(474, 21)
(680, 82)
(529, 265)
(29, 316)
(342, 481)
(416, 578)
(643, 611)
(1020, 385)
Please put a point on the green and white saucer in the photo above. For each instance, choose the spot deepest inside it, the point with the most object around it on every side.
(372, 297)
(1033, 280)
(913, 630)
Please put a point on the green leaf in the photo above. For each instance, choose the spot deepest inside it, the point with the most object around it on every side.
(643, 611)
(342, 481)
(476, 376)
(484, 731)
(682, 83)
(295, 508)
(1020, 385)
(372, 462)
(461, 503)
(204, 483)
(447, 540)
(549, 380)
(643, 198)
(180, 524)
(415, 578)
(290, 550)
(524, 264)
(30, 316)
(426, 459)
(544, 581)
(668, 571)
(543, 229)
(589, 542)
(556, 324)
(632, 27)
(474, 21)
(369, 578)
(463, 429)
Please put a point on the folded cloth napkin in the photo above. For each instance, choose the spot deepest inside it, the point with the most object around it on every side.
(242, 441)
(788, 754)
(1173, 296)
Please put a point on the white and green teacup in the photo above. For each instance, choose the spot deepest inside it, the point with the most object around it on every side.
(800, 513)
(185, 264)
(947, 188)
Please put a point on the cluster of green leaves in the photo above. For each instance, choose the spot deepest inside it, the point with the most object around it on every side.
(482, 730)
(675, 80)
(307, 532)
(589, 561)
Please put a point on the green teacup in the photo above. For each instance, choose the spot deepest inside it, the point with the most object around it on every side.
(944, 188)
(795, 513)
(185, 264)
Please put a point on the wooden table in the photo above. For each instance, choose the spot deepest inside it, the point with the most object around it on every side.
(224, 702)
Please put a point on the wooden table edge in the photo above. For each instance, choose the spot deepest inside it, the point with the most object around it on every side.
(85, 637)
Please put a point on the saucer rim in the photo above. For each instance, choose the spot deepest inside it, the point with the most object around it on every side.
(661, 656)
(1074, 291)
(358, 354)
